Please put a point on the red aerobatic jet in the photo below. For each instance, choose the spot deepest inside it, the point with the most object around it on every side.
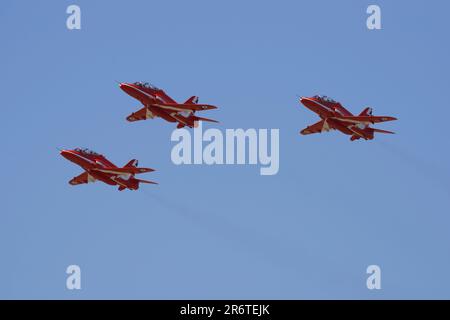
(97, 167)
(336, 117)
(158, 104)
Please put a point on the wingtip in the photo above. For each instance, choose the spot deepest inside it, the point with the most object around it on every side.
(306, 130)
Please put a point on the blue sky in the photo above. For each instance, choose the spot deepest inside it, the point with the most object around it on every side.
(209, 232)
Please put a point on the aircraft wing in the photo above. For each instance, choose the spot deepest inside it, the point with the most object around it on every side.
(365, 119)
(142, 114)
(317, 127)
(126, 170)
(81, 179)
(186, 106)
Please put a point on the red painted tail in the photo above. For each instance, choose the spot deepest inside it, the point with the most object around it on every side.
(132, 163)
(192, 100)
(366, 112)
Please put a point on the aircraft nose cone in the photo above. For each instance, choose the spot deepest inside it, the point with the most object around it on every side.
(308, 102)
(64, 153)
(127, 88)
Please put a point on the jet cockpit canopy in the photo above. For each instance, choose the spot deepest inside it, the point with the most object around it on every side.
(325, 98)
(146, 85)
(87, 151)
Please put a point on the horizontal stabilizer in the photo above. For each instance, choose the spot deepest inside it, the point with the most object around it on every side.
(146, 181)
(382, 131)
(204, 119)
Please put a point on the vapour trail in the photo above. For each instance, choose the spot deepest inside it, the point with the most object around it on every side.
(435, 174)
(260, 245)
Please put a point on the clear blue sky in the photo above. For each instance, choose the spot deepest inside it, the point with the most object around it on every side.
(334, 208)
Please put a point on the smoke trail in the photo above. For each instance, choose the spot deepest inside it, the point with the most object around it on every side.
(214, 223)
(427, 169)
(260, 245)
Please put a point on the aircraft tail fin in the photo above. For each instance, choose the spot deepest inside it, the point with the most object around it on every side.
(366, 112)
(192, 100)
(132, 167)
(132, 164)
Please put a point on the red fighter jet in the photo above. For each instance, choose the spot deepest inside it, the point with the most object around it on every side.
(158, 104)
(336, 117)
(97, 167)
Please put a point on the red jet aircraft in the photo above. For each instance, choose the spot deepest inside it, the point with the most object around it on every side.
(158, 104)
(336, 117)
(97, 167)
